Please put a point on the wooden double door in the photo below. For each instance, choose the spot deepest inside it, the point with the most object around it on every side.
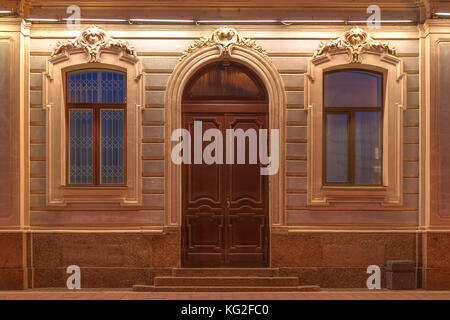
(225, 206)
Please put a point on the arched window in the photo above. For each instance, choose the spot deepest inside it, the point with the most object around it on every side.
(225, 82)
(96, 122)
(353, 112)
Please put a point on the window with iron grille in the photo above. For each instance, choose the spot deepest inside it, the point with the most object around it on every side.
(96, 113)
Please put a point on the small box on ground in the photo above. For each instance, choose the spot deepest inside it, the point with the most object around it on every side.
(401, 274)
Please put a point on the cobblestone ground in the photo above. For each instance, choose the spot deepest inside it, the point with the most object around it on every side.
(126, 294)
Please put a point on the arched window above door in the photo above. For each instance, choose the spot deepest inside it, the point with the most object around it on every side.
(225, 81)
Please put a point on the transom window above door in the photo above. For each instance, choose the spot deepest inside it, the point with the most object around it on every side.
(225, 81)
(353, 123)
(96, 122)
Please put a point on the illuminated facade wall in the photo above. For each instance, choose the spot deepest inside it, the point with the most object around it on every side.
(123, 236)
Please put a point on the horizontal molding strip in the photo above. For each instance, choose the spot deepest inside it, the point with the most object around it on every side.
(271, 54)
(155, 88)
(294, 88)
(349, 208)
(152, 174)
(154, 105)
(296, 174)
(52, 228)
(296, 158)
(151, 140)
(296, 191)
(296, 140)
(105, 208)
(158, 70)
(37, 175)
(148, 191)
(296, 123)
(152, 123)
(295, 106)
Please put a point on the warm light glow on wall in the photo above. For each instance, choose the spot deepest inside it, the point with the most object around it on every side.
(189, 21)
(381, 21)
(238, 21)
(163, 20)
(94, 19)
(42, 19)
(312, 21)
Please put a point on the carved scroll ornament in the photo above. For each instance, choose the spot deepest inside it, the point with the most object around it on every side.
(355, 41)
(225, 39)
(93, 40)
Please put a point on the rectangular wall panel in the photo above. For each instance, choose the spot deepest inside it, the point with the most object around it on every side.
(444, 118)
(4, 127)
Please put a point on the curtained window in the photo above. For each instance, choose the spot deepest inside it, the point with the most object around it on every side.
(353, 112)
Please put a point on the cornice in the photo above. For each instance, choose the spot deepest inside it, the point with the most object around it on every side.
(227, 4)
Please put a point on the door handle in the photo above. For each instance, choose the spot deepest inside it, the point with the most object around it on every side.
(228, 203)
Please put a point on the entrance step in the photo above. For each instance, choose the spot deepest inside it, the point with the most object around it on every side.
(225, 272)
(145, 288)
(226, 281)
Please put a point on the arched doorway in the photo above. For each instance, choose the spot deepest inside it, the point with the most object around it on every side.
(225, 219)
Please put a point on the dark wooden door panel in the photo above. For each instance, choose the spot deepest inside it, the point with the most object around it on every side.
(203, 202)
(246, 192)
(204, 182)
(246, 184)
(225, 216)
(204, 231)
(247, 239)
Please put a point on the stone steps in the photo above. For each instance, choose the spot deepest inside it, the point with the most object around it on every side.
(225, 272)
(226, 281)
(146, 288)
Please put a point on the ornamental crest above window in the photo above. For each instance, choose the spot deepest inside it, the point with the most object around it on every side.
(355, 41)
(225, 39)
(93, 40)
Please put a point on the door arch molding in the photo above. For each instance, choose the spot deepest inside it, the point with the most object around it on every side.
(188, 66)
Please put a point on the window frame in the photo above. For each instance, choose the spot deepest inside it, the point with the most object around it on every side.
(96, 128)
(351, 130)
(58, 192)
(390, 194)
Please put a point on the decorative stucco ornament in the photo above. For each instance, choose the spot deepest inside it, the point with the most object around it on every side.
(93, 40)
(224, 38)
(355, 41)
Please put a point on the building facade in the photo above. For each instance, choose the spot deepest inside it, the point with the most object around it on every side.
(356, 115)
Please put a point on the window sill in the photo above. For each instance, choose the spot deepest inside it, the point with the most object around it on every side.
(354, 188)
(355, 194)
(94, 194)
(100, 187)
